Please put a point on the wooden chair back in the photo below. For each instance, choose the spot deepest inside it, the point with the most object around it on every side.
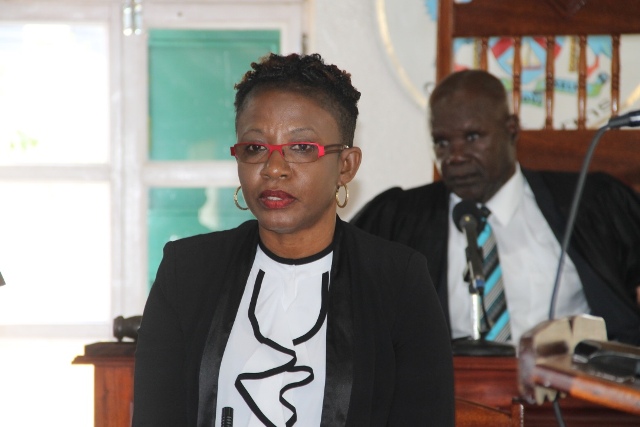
(549, 148)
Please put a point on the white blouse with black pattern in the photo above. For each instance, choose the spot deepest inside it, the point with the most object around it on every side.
(273, 369)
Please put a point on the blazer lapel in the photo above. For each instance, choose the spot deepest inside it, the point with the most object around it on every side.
(339, 364)
(225, 312)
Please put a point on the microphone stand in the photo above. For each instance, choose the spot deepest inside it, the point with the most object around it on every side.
(476, 345)
(566, 238)
(631, 119)
(476, 277)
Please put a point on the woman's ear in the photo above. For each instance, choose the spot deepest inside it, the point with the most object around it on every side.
(350, 159)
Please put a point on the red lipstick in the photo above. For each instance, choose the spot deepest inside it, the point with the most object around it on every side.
(276, 199)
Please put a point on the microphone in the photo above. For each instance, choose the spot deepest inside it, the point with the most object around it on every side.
(468, 219)
(227, 417)
(631, 119)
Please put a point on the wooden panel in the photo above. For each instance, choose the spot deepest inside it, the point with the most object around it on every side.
(615, 74)
(113, 394)
(472, 380)
(582, 83)
(550, 72)
(113, 387)
(444, 45)
(565, 150)
(481, 18)
(472, 414)
(516, 96)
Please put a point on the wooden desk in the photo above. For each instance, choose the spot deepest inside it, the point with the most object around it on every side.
(493, 381)
(113, 381)
(562, 374)
(488, 380)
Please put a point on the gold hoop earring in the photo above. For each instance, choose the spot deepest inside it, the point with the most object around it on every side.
(235, 199)
(346, 196)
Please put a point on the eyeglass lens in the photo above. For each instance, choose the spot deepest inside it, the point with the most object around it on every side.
(294, 153)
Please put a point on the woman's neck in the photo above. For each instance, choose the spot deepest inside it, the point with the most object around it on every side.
(297, 245)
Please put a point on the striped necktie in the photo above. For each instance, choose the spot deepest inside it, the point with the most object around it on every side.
(495, 316)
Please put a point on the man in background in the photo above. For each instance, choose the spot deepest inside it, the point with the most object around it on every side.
(474, 139)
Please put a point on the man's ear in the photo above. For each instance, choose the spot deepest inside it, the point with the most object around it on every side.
(513, 127)
(350, 159)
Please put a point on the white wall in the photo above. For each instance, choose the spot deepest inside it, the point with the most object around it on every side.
(392, 129)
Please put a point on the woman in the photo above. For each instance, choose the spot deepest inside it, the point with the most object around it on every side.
(298, 317)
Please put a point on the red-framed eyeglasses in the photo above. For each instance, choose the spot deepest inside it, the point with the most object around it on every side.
(292, 152)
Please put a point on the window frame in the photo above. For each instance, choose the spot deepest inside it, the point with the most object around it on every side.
(129, 171)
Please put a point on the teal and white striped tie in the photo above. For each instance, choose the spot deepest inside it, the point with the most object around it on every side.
(495, 316)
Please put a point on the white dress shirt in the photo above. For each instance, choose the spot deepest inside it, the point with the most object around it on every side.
(288, 306)
(528, 252)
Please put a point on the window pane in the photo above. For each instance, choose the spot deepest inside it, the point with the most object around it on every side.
(53, 94)
(55, 253)
(191, 79)
(40, 386)
(175, 213)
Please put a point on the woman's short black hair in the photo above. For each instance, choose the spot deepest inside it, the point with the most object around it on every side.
(309, 75)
